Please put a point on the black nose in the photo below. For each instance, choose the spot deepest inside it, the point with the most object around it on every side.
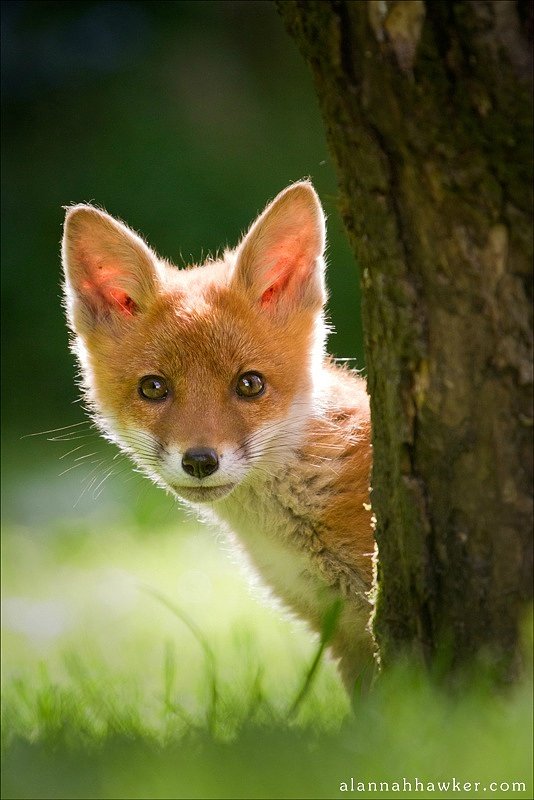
(200, 461)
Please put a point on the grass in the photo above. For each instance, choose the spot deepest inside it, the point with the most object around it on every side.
(137, 662)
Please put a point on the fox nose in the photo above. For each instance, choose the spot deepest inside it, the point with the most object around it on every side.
(200, 461)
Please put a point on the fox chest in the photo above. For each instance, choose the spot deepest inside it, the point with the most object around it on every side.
(280, 544)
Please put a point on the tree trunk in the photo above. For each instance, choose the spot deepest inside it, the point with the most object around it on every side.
(428, 111)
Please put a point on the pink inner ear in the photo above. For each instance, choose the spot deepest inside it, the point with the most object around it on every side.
(268, 296)
(100, 290)
(275, 290)
(124, 301)
(284, 278)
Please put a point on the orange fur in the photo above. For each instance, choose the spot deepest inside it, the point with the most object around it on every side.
(289, 466)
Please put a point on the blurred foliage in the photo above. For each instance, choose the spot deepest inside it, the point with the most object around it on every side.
(183, 119)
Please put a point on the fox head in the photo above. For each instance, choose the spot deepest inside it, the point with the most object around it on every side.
(205, 376)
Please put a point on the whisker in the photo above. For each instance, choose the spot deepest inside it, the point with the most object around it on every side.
(79, 447)
(142, 449)
(88, 487)
(146, 458)
(96, 493)
(98, 462)
(139, 435)
(75, 466)
(87, 455)
(72, 437)
(84, 490)
(57, 430)
(131, 474)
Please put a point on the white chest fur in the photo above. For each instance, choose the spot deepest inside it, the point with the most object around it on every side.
(276, 523)
(264, 531)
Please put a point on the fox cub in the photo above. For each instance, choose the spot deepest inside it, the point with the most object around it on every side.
(215, 381)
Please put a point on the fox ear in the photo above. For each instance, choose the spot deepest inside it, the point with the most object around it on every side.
(280, 260)
(110, 273)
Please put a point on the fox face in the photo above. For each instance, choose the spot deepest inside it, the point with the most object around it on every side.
(205, 376)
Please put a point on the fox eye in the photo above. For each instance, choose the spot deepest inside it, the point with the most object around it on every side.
(153, 387)
(250, 384)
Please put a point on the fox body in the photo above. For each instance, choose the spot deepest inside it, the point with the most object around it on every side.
(214, 379)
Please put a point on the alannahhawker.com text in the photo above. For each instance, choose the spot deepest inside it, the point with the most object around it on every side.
(412, 785)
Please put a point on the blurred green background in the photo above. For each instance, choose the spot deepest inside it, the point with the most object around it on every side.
(182, 118)
(136, 660)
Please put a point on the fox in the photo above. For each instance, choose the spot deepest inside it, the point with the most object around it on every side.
(215, 380)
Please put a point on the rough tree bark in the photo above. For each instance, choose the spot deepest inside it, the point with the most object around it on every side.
(428, 111)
